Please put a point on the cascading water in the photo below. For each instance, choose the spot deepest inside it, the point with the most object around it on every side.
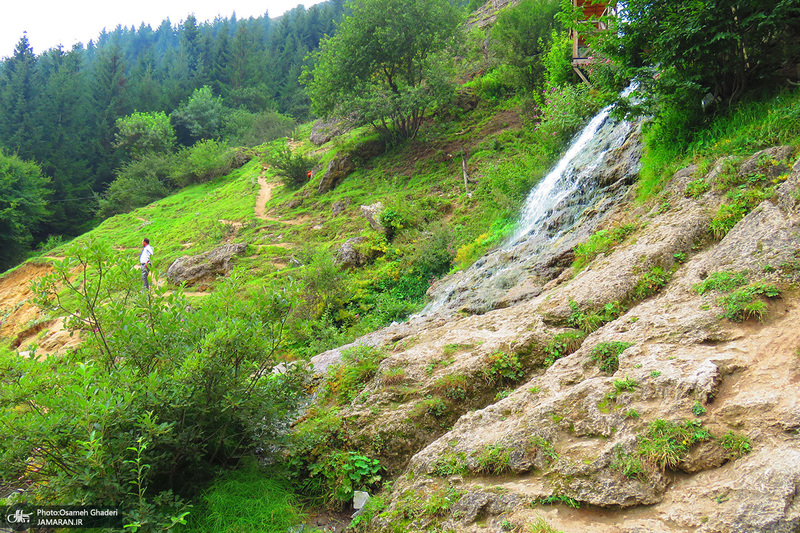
(564, 207)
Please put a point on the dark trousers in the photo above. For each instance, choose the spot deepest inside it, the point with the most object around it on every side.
(145, 272)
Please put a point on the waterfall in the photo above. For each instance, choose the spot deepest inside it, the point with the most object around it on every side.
(595, 166)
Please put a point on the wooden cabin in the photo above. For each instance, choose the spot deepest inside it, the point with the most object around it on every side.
(592, 11)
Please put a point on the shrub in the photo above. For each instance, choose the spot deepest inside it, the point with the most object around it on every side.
(291, 166)
(630, 464)
(432, 406)
(450, 464)
(607, 355)
(244, 128)
(452, 386)
(393, 376)
(650, 283)
(736, 445)
(746, 302)
(697, 188)
(204, 161)
(138, 183)
(591, 319)
(492, 459)
(348, 378)
(433, 254)
(174, 390)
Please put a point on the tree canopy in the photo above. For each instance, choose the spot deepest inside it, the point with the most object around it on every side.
(22, 205)
(521, 37)
(685, 53)
(382, 64)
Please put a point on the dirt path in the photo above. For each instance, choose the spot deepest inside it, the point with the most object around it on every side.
(264, 196)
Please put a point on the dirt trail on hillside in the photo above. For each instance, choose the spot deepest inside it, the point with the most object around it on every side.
(264, 196)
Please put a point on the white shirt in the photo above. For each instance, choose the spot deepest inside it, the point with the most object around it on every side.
(144, 257)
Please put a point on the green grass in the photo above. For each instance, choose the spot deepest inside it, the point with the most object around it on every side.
(722, 281)
(245, 501)
(602, 241)
(562, 344)
(750, 125)
(666, 443)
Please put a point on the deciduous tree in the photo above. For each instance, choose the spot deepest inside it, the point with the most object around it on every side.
(382, 63)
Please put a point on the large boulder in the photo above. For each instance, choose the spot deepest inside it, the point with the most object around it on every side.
(205, 267)
(348, 256)
(346, 162)
(338, 168)
(324, 130)
(372, 213)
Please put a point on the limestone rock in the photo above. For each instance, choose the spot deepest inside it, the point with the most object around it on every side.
(338, 168)
(347, 256)
(372, 212)
(204, 267)
(324, 130)
(770, 162)
(344, 163)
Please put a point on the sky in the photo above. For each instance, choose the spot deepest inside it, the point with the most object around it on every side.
(66, 22)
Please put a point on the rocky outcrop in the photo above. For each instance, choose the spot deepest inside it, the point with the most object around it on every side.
(348, 256)
(372, 213)
(563, 430)
(205, 267)
(345, 163)
(324, 130)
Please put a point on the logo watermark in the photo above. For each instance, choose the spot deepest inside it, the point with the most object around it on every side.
(23, 517)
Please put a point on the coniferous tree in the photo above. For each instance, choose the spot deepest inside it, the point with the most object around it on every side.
(18, 93)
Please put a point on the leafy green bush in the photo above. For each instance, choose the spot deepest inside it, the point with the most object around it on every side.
(492, 459)
(138, 183)
(697, 188)
(565, 109)
(293, 167)
(590, 319)
(742, 201)
(432, 406)
(348, 378)
(173, 390)
(607, 355)
(453, 386)
(503, 367)
(521, 36)
(746, 302)
(143, 133)
(630, 464)
(736, 445)
(245, 128)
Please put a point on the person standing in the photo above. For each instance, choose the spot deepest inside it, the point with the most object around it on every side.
(144, 261)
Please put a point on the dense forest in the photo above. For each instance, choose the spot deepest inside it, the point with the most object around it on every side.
(59, 109)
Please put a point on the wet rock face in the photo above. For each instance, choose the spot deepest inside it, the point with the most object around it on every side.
(590, 189)
(205, 267)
